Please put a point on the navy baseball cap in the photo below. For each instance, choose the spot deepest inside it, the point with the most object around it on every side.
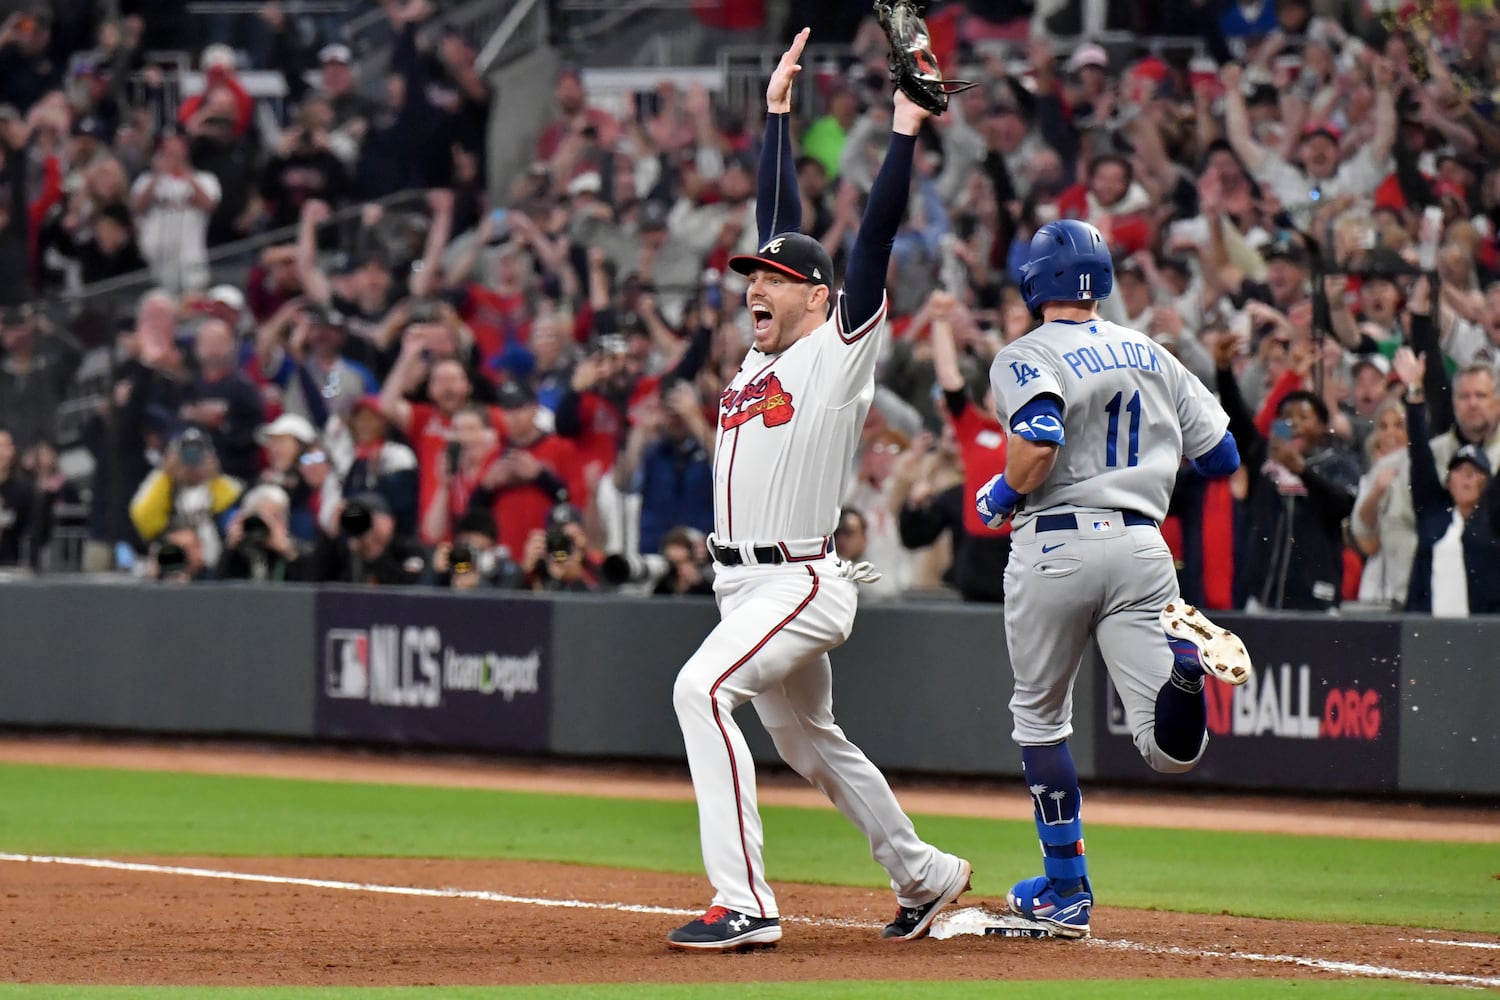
(513, 395)
(793, 254)
(1474, 455)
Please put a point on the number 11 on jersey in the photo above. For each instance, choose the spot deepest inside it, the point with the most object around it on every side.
(1111, 447)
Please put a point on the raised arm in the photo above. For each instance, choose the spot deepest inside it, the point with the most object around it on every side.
(864, 283)
(1427, 491)
(1237, 120)
(778, 205)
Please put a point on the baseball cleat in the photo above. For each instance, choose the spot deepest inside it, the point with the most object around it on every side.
(1220, 651)
(1038, 899)
(913, 922)
(723, 929)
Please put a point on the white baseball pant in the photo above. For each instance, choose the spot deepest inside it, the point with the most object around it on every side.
(771, 647)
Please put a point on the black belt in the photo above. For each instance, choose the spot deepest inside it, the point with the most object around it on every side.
(1069, 522)
(765, 555)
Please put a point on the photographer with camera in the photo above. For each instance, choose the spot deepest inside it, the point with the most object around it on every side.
(177, 557)
(556, 558)
(475, 560)
(187, 492)
(366, 460)
(366, 548)
(689, 570)
(258, 545)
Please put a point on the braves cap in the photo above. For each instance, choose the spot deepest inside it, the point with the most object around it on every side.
(793, 254)
(1474, 455)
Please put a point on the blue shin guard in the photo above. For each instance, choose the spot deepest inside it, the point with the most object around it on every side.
(1053, 782)
(1062, 897)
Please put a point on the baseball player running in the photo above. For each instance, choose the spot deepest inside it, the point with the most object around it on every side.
(1099, 419)
(788, 427)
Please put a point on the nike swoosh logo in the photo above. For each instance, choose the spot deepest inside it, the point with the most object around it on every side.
(1049, 548)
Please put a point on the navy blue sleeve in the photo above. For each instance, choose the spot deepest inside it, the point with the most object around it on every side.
(864, 280)
(1221, 460)
(312, 393)
(696, 355)
(778, 204)
(1040, 420)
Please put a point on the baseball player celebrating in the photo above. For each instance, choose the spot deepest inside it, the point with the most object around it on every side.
(788, 427)
(1100, 418)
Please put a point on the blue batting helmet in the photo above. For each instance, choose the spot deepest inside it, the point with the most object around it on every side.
(1069, 262)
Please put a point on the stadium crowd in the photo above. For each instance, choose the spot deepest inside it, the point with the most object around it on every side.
(520, 391)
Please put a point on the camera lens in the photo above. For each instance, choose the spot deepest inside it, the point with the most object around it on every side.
(355, 520)
(256, 530)
(462, 557)
(559, 543)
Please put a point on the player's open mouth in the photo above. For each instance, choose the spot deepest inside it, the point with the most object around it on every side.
(762, 317)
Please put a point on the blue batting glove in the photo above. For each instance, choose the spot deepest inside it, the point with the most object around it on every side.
(996, 502)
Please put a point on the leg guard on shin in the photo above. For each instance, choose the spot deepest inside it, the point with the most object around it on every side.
(1053, 782)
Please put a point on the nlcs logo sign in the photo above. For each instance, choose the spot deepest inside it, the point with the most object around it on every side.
(411, 667)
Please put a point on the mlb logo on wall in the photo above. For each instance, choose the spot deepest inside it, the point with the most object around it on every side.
(346, 663)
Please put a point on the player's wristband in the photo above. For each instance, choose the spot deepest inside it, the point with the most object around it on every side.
(1004, 496)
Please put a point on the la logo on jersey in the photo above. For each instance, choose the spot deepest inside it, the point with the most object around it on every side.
(762, 398)
(1023, 372)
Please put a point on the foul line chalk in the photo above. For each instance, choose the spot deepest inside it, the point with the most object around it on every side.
(1323, 965)
(1458, 944)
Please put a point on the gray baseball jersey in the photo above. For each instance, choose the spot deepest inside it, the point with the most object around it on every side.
(1130, 412)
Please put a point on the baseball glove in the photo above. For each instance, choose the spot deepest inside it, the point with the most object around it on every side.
(913, 66)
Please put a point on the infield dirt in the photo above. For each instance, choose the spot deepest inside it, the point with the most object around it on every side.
(76, 925)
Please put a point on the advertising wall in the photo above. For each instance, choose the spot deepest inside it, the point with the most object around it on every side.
(1321, 711)
(225, 660)
(432, 669)
(1337, 706)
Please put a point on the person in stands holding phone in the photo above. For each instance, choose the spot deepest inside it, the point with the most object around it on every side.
(427, 426)
(475, 447)
(1302, 487)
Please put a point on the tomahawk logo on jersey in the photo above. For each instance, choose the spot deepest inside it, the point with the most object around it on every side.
(763, 397)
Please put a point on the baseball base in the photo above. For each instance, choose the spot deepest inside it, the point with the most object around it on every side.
(980, 922)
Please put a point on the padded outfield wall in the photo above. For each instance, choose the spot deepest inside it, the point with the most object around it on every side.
(1358, 704)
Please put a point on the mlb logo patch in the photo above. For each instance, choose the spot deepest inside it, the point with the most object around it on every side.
(1101, 525)
(346, 663)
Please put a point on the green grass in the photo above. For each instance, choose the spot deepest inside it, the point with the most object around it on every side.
(74, 811)
(1154, 989)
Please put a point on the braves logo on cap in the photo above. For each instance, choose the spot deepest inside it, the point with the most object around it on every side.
(762, 398)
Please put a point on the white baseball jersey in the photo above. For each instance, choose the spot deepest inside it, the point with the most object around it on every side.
(789, 425)
(1130, 412)
(788, 429)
